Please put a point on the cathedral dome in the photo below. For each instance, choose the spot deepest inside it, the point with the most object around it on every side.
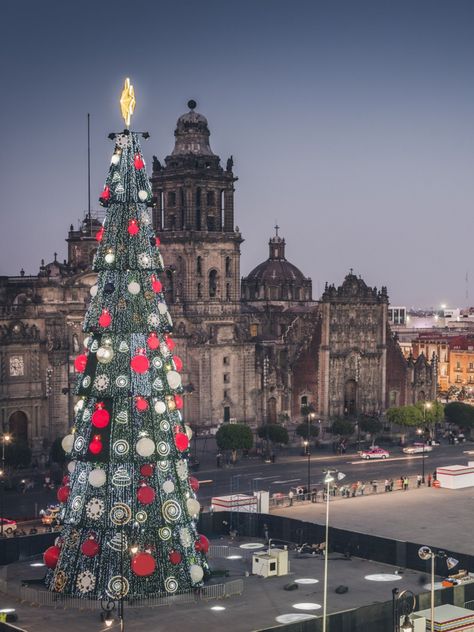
(192, 134)
(276, 278)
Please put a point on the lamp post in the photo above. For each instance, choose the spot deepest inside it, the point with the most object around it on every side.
(310, 416)
(425, 553)
(6, 438)
(403, 604)
(328, 479)
(419, 431)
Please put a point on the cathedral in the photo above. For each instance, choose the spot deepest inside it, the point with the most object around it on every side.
(254, 348)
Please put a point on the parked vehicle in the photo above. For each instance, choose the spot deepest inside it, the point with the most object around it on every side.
(49, 516)
(9, 526)
(375, 453)
(418, 448)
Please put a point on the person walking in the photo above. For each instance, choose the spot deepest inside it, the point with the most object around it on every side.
(390, 488)
(405, 483)
(429, 480)
(291, 495)
(362, 489)
(387, 485)
(353, 489)
(218, 459)
(314, 495)
(418, 481)
(374, 486)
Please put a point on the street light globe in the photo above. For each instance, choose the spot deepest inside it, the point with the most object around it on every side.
(419, 431)
(7, 438)
(407, 625)
(427, 405)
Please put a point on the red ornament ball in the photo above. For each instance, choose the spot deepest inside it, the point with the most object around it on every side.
(178, 363)
(156, 285)
(146, 495)
(181, 441)
(170, 342)
(178, 400)
(105, 193)
(193, 481)
(202, 544)
(51, 556)
(143, 564)
(105, 318)
(80, 363)
(90, 547)
(132, 227)
(63, 493)
(140, 363)
(95, 446)
(99, 234)
(138, 162)
(175, 557)
(141, 404)
(153, 341)
(147, 469)
(100, 417)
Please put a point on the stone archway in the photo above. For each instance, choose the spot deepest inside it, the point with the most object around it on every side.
(350, 397)
(18, 426)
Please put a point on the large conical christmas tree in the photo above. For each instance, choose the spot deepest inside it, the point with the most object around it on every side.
(129, 508)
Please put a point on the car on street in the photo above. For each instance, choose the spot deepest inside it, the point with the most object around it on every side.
(9, 526)
(417, 448)
(49, 516)
(375, 453)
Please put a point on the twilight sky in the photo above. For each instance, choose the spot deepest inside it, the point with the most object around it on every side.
(351, 123)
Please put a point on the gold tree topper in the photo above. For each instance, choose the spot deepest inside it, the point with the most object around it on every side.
(127, 101)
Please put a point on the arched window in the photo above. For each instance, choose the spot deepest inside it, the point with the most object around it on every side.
(212, 284)
(199, 288)
(228, 270)
(211, 223)
(227, 292)
(18, 426)
(199, 266)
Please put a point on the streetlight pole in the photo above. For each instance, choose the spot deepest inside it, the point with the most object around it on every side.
(5, 439)
(328, 479)
(420, 433)
(425, 553)
(310, 416)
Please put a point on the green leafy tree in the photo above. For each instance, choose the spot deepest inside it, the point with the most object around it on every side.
(460, 414)
(274, 433)
(342, 427)
(370, 425)
(431, 412)
(234, 437)
(405, 415)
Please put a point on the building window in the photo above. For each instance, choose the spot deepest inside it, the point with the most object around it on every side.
(212, 284)
(304, 400)
(226, 360)
(171, 198)
(211, 198)
(199, 266)
(227, 292)
(253, 330)
(228, 271)
(226, 413)
(17, 366)
(199, 290)
(226, 394)
(226, 378)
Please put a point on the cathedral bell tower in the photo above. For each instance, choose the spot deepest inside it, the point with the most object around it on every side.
(194, 218)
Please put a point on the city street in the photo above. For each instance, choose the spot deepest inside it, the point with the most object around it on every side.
(252, 474)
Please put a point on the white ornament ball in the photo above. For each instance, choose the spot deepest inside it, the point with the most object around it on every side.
(109, 257)
(168, 487)
(189, 432)
(67, 443)
(162, 308)
(71, 466)
(86, 342)
(105, 355)
(196, 573)
(174, 379)
(160, 407)
(115, 159)
(193, 506)
(133, 287)
(145, 446)
(97, 477)
(79, 406)
(93, 290)
(142, 195)
(185, 537)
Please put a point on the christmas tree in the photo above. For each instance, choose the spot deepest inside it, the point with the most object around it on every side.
(129, 507)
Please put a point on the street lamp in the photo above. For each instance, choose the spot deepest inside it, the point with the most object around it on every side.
(328, 479)
(419, 432)
(426, 406)
(425, 553)
(6, 438)
(307, 444)
(403, 604)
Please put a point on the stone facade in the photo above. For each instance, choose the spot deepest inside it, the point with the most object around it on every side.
(254, 348)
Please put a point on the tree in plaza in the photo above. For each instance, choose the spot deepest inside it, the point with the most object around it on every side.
(405, 415)
(343, 427)
(302, 430)
(460, 414)
(274, 433)
(128, 505)
(234, 437)
(432, 412)
(370, 425)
